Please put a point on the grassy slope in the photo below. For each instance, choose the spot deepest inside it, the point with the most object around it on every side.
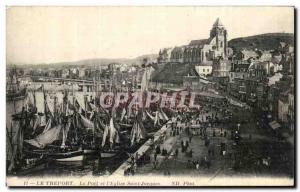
(172, 73)
(266, 41)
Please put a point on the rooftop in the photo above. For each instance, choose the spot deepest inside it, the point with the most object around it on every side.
(199, 42)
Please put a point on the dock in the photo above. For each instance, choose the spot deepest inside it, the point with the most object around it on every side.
(143, 149)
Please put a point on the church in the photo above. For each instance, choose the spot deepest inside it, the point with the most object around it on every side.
(199, 52)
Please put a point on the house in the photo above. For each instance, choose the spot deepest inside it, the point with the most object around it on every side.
(283, 107)
(275, 93)
(204, 69)
(265, 68)
(246, 55)
(239, 71)
(291, 109)
(265, 56)
(221, 67)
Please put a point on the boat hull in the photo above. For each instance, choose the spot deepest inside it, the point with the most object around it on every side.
(71, 159)
(108, 154)
(73, 156)
(90, 151)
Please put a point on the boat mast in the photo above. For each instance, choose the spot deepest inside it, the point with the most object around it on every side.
(45, 103)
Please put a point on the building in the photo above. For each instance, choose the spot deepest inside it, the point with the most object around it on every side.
(246, 55)
(274, 95)
(199, 51)
(194, 82)
(265, 68)
(239, 71)
(265, 56)
(204, 69)
(221, 67)
(177, 55)
(164, 55)
(238, 89)
(272, 102)
(291, 109)
(283, 107)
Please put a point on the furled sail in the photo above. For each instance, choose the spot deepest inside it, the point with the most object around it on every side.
(29, 101)
(114, 135)
(159, 115)
(162, 115)
(137, 132)
(40, 102)
(105, 133)
(123, 114)
(50, 106)
(46, 138)
(80, 103)
(86, 122)
(156, 121)
(37, 122)
(65, 131)
(48, 125)
(33, 123)
(111, 133)
(151, 117)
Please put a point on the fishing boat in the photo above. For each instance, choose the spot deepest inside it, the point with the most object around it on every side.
(59, 140)
(14, 95)
(69, 156)
(20, 162)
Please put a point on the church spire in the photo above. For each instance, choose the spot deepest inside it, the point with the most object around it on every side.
(218, 23)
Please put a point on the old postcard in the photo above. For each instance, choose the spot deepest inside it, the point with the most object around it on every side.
(150, 96)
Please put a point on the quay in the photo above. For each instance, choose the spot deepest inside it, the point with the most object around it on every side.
(143, 149)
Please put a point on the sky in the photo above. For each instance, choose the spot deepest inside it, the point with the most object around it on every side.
(57, 34)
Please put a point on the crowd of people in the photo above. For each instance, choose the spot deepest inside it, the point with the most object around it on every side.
(191, 124)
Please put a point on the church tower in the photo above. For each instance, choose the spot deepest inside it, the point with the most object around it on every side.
(219, 32)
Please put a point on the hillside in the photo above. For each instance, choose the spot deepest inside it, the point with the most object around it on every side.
(266, 41)
(172, 73)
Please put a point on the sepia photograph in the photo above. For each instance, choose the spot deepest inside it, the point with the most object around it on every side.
(150, 96)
